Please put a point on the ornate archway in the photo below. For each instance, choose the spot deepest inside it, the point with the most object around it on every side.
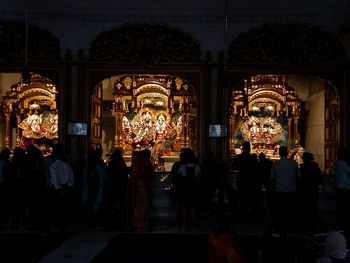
(34, 109)
(152, 112)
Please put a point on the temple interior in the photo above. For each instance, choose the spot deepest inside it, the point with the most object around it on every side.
(158, 112)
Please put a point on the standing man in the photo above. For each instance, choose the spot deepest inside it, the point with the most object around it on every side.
(247, 184)
(284, 173)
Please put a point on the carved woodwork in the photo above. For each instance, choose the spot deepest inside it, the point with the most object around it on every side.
(145, 43)
(42, 45)
(286, 43)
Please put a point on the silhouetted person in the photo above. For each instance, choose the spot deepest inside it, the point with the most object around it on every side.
(311, 179)
(36, 178)
(115, 186)
(175, 180)
(265, 182)
(246, 164)
(342, 184)
(141, 190)
(62, 182)
(5, 170)
(189, 174)
(16, 188)
(93, 186)
(285, 172)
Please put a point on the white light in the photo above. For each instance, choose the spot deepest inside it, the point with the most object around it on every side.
(255, 108)
(160, 102)
(270, 107)
(147, 101)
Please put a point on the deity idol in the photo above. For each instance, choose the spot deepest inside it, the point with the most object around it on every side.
(51, 126)
(143, 131)
(127, 135)
(177, 142)
(161, 129)
(32, 126)
(254, 131)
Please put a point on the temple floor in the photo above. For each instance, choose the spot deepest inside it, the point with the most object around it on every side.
(165, 242)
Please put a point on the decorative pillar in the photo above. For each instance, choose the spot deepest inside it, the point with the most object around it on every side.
(118, 138)
(18, 137)
(289, 128)
(296, 129)
(185, 142)
(7, 131)
(232, 145)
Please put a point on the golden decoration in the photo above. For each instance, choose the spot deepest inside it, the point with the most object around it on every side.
(30, 98)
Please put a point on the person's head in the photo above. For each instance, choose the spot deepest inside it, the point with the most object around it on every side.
(147, 154)
(116, 156)
(308, 157)
(182, 157)
(189, 156)
(283, 151)
(19, 153)
(254, 156)
(246, 147)
(335, 245)
(57, 152)
(5, 154)
(262, 157)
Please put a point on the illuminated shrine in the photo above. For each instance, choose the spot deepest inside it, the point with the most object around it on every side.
(31, 110)
(152, 112)
(265, 112)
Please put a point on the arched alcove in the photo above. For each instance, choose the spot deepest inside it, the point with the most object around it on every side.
(145, 111)
(31, 114)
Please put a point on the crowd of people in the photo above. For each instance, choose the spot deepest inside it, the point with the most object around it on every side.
(51, 194)
(42, 193)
